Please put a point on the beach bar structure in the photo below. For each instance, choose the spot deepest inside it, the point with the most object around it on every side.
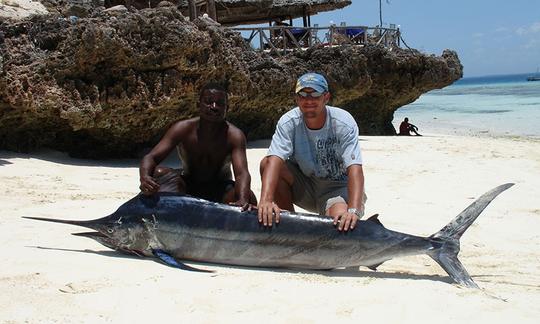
(287, 38)
(280, 35)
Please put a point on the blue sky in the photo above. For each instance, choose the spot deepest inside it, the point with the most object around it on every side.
(490, 36)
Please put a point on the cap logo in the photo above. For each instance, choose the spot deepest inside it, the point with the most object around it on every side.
(312, 80)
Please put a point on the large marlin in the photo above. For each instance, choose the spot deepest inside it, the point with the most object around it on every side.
(174, 228)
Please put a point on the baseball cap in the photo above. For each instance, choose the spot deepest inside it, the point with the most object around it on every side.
(312, 80)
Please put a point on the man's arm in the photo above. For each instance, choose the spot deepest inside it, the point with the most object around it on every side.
(159, 152)
(355, 189)
(352, 157)
(240, 168)
(270, 178)
(355, 186)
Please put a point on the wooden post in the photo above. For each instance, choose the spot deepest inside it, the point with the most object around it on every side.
(365, 35)
(192, 10)
(261, 40)
(211, 7)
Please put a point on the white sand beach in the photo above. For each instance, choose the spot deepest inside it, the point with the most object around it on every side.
(416, 184)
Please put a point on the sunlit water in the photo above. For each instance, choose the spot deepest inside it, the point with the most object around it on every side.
(495, 106)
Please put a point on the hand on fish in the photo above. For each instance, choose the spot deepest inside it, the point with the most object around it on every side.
(244, 205)
(148, 186)
(346, 221)
(266, 212)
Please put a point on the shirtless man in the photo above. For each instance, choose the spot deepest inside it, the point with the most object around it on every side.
(207, 146)
(405, 128)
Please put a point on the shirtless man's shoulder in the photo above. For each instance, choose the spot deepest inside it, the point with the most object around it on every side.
(235, 135)
(183, 127)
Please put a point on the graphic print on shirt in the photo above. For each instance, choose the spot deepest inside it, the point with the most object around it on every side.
(328, 163)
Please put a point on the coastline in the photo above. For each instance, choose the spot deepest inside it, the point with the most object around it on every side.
(416, 185)
(499, 106)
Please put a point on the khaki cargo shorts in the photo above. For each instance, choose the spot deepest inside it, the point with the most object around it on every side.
(318, 195)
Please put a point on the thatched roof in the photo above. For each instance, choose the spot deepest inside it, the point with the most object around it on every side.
(237, 12)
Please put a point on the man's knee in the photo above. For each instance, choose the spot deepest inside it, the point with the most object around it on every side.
(169, 180)
(284, 173)
(160, 171)
(262, 165)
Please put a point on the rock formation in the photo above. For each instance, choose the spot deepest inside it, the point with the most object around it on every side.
(19, 9)
(110, 84)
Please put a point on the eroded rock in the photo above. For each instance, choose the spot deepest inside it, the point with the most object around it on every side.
(110, 85)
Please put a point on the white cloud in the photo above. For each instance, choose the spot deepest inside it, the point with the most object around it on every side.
(535, 28)
(531, 29)
(533, 43)
(478, 35)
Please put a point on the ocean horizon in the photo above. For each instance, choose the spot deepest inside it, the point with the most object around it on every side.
(495, 105)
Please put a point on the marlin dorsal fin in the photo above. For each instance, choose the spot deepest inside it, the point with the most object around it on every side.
(375, 219)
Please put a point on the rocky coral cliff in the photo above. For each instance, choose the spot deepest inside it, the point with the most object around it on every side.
(110, 84)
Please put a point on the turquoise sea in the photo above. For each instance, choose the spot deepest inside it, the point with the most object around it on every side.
(503, 105)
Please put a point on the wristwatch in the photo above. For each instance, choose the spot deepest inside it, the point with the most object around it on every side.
(354, 211)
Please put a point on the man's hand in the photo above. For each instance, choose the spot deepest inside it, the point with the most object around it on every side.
(266, 212)
(148, 186)
(245, 206)
(346, 221)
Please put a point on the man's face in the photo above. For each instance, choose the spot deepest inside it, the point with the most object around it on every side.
(213, 105)
(312, 103)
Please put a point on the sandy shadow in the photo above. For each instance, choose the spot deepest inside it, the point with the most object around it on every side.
(64, 158)
(107, 253)
(335, 273)
(340, 273)
(4, 162)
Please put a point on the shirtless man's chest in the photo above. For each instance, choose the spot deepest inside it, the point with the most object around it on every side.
(205, 156)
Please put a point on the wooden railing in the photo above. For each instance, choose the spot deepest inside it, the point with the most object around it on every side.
(288, 38)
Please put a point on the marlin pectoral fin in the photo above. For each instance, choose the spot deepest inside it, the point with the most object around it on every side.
(374, 266)
(169, 260)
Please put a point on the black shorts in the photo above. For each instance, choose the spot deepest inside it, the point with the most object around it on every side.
(213, 191)
(170, 180)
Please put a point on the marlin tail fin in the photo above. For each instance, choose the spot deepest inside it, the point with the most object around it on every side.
(448, 237)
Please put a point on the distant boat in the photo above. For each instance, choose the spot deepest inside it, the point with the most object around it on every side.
(535, 77)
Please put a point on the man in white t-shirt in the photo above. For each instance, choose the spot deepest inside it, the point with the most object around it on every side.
(314, 160)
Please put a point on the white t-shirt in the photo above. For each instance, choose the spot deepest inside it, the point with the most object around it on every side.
(324, 153)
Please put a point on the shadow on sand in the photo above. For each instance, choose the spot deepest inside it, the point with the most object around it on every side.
(4, 162)
(335, 273)
(64, 158)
